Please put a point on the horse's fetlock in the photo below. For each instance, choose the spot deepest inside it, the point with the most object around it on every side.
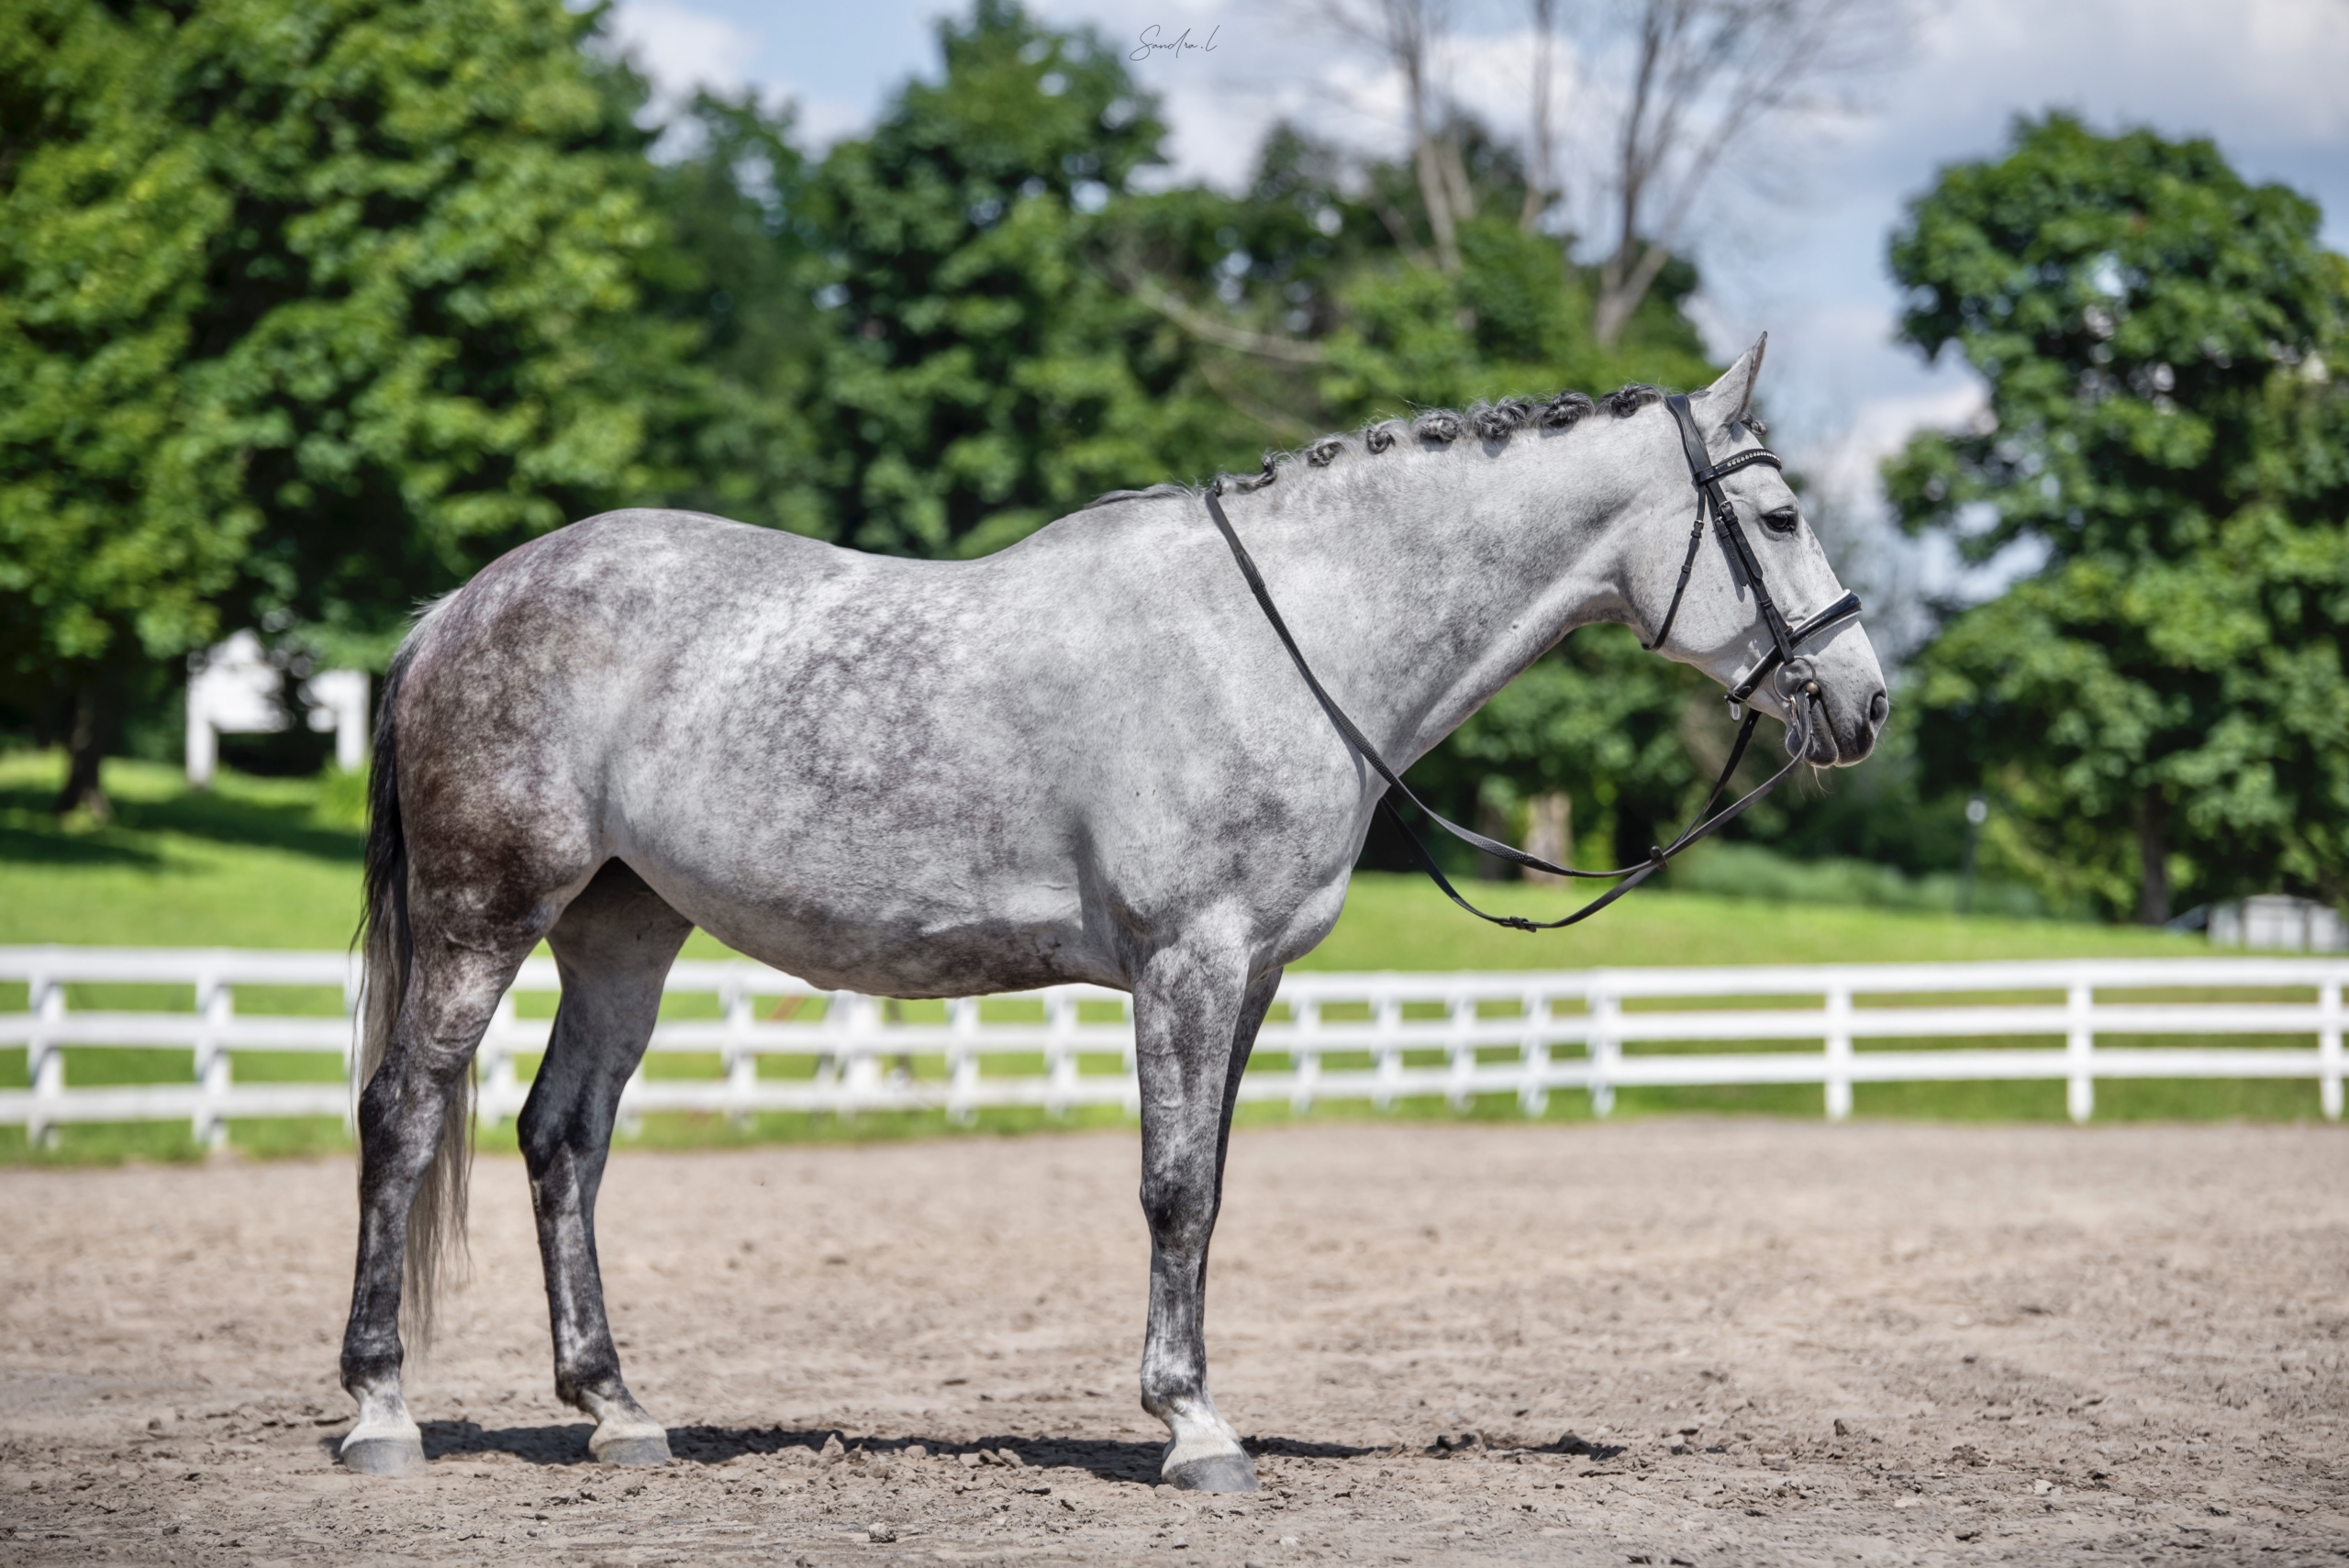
(590, 1382)
(372, 1352)
(590, 1395)
(371, 1372)
(1168, 1394)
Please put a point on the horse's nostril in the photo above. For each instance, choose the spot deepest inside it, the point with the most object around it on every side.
(1879, 709)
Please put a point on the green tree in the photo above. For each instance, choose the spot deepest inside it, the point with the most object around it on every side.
(311, 306)
(984, 376)
(737, 263)
(2164, 705)
(118, 524)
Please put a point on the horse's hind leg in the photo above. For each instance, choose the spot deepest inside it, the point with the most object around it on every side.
(405, 1125)
(614, 945)
(1195, 1026)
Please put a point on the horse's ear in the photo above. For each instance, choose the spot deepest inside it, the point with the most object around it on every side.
(1729, 400)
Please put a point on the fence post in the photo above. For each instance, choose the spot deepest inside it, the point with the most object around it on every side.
(962, 1061)
(2079, 1051)
(44, 1064)
(860, 1064)
(2328, 1048)
(1460, 1049)
(1386, 1013)
(742, 1060)
(1533, 1054)
(1839, 1052)
(1060, 1054)
(500, 1089)
(495, 1081)
(1305, 1055)
(1606, 1049)
(215, 1003)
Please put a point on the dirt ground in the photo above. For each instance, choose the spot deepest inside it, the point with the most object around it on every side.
(1660, 1343)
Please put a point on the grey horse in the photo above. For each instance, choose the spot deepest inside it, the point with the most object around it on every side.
(1085, 758)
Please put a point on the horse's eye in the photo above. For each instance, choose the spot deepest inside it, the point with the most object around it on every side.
(1782, 521)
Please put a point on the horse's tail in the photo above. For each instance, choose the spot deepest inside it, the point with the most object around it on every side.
(435, 1220)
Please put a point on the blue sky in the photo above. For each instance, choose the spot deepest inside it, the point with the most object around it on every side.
(2265, 77)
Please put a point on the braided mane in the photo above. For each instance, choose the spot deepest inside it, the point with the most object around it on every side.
(1492, 422)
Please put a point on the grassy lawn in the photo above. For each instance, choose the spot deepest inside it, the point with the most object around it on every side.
(1400, 921)
(256, 863)
(275, 864)
(252, 863)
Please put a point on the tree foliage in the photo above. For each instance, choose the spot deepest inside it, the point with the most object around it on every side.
(2164, 704)
(982, 377)
(117, 527)
(310, 306)
(307, 310)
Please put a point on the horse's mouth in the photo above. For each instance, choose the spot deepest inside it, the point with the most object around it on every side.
(1840, 745)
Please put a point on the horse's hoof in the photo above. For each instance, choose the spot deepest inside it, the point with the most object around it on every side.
(1216, 1473)
(632, 1450)
(384, 1456)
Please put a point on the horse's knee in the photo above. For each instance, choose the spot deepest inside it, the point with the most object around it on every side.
(542, 1136)
(1179, 1208)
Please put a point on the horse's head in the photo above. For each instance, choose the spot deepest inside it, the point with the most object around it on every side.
(1722, 626)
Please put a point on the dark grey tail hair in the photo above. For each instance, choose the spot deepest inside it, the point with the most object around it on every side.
(436, 1221)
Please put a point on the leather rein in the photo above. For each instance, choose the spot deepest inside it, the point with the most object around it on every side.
(1795, 684)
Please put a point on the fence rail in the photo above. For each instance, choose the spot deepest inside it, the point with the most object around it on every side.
(769, 1042)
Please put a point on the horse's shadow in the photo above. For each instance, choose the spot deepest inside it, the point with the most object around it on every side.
(566, 1444)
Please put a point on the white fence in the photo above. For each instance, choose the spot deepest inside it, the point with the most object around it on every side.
(769, 1042)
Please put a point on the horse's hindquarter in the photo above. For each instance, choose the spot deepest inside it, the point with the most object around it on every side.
(917, 777)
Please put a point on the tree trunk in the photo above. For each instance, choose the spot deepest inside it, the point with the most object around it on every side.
(1542, 173)
(1434, 195)
(85, 748)
(1622, 284)
(1493, 822)
(2153, 860)
(1549, 833)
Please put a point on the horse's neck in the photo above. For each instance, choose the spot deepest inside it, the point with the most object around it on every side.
(1419, 582)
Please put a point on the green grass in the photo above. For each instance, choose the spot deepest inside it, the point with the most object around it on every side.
(1398, 921)
(275, 864)
(269, 864)
(254, 862)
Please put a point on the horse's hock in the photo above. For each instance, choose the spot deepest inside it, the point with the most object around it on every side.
(1747, 1341)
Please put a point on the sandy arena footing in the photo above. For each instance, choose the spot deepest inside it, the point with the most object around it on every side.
(1660, 1342)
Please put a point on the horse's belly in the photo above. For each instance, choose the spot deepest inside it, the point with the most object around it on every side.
(927, 931)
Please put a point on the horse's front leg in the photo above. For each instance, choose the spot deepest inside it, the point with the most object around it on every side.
(1195, 1023)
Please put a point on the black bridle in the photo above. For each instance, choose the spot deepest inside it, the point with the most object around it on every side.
(1797, 685)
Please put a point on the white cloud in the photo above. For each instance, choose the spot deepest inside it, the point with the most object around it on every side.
(822, 121)
(2254, 70)
(680, 49)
